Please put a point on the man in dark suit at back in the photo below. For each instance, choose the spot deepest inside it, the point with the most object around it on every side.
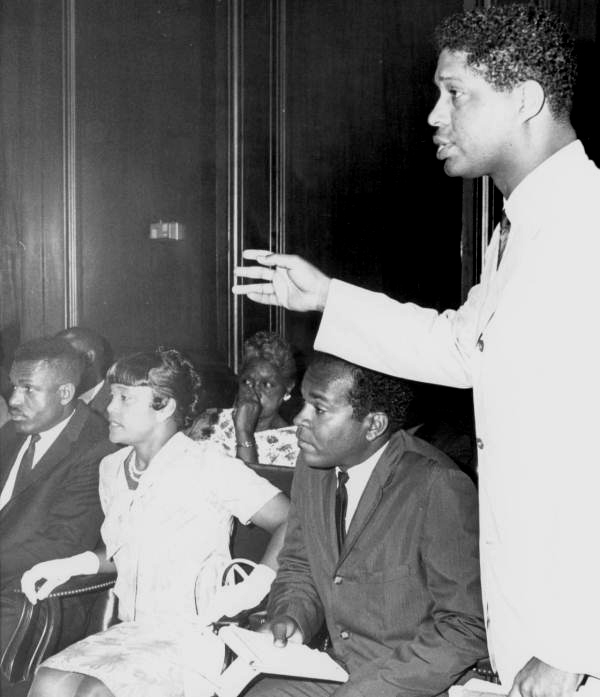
(381, 545)
(93, 388)
(50, 451)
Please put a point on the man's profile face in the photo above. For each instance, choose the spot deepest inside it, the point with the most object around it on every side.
(328, 433)
(36, 403)
(475, 123)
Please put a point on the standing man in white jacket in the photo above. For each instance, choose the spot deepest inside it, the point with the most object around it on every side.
(527, 339)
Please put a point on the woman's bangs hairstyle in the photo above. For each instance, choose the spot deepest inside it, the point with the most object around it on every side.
(274, 349)
(170, 376)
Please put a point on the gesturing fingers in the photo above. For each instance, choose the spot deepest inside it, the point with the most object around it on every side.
(262, 272)
(259, 292)
(264, 298)
(256, 254)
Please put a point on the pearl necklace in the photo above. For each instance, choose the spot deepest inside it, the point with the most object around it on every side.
(134, 472)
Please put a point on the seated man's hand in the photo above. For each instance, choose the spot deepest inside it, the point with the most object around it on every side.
(43, 578)
(289, 281)
(283, 629)
(538, 679)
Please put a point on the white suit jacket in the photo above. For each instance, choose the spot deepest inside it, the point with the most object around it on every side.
(528, 341)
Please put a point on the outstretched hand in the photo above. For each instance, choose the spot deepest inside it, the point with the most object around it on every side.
(538, 679)
(290, 281)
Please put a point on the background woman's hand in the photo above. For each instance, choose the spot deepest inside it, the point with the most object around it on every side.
(246, 412)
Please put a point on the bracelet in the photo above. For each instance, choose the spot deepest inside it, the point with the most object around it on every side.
(246, 444)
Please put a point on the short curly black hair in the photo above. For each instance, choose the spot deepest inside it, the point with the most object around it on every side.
(273, 348)
(371, 391)
(168, 373)
(67, 363)
(508, 44)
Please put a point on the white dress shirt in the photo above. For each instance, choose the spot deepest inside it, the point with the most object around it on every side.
(358, 476)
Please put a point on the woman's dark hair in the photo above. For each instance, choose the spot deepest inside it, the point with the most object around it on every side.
(168, 374)
(271, 347)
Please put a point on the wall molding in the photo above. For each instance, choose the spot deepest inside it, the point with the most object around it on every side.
(72, 262)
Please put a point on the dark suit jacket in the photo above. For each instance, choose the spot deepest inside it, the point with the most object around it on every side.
(101, 400)
(58, 512)
(402, 602)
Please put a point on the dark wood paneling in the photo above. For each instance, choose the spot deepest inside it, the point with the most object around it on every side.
(361, 169)
(32, 247)
(146, 152)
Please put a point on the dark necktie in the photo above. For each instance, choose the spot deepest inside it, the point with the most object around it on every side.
(504, 231)
(26, 465)
(341, 504)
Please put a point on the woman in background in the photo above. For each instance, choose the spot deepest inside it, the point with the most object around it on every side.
(254, 429)
(168, 505)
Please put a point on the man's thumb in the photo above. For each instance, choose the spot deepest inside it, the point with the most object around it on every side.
(279, 630)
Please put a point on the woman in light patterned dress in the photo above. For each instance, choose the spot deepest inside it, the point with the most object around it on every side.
(169, 504)
(254, 429)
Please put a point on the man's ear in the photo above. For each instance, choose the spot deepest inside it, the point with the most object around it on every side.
(532, 99)
(66, 392)
(377, 424)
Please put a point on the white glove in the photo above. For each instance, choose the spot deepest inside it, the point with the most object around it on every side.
(55, 572)
(229, 600)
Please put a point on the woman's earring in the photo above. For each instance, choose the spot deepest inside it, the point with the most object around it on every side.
(286, 396)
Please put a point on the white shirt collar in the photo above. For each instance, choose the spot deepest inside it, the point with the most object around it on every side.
(358, 476)
(88, 395)
(48, 437)
(528, 201)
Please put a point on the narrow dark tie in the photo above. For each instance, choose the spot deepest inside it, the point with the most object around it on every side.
(26, 465)
(341, 504)
(504, 231)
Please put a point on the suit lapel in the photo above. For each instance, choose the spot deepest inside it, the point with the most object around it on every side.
(371, 496)
(327, 497)
(10, 445)
(497, 280)
(58, 451)
(101, 400)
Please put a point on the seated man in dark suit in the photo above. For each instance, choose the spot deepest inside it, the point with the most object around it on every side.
(388, 559)
(93, 388)
(50, 451)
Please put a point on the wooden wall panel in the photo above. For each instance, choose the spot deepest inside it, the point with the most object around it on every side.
(32, 244)
(361, 169)
(146, 152)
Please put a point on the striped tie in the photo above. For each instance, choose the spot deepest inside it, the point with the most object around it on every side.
(341, 504)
